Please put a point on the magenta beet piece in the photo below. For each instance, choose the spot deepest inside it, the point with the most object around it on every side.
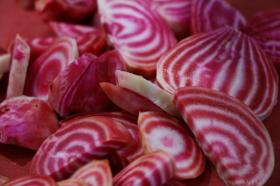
(46, 67)
(137, 32)
(225, 60)
(18, 67)
(208, 15)
(265, 27)
(77, 142)
(229, 133)
(26, 121)
(76, 89)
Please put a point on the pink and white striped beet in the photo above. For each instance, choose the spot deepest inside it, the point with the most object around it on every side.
(160, 131)
(230, 135)
(208, 15)
(95, 173)
(39, 45)
(77, 142)
(265, 27)
(21, 121)
(18, 67)
(225, 60)
(177, 14)
(76, 89)
(153, 169)
(89, 39)
(46, 67)
(139, 33)
(32, 180)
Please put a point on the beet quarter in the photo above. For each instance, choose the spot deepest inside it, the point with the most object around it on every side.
(230, 135)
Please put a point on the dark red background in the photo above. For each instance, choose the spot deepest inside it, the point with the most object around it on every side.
(13, 19)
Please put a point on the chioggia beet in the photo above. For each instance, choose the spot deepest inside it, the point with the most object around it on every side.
(32, 180)
(137, 32)
(230, 135)
(26, 121)
(97, 172)
(225, 60)
(159, 131)
(77, 142)
(48, 65)
(18, 67)
(76, 89)
(89, 39)
(39, 45)
(265, 27)
(153, 169)
(208, 15)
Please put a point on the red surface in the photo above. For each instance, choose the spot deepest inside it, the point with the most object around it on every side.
(13, 19)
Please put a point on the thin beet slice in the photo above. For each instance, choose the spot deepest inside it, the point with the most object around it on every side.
(148, 90)
(76, 90)
(265, 27)
(26, 121)
(97, 172)
(72, 182)
(159, 131)
(137, 32)
(18, 68)
(230, 135)
(153, 169)
(54, 60)
(128, 100)
(32, 180)
(77, 142)
(89, 39)
(208, 15)
(225, 60)
(177, 14)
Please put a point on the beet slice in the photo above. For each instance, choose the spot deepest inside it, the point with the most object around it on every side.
(72, 182)
(137, 32)
(153, 169)
(97, 172)
(148, 90)
(229, 133)
(76, 90)
(208, 15)
(77, 142)
(32, 180)
(26, 121)
(54, 60)
(128, 100)
(18, 67)
(225, 60)
(265, 27)
(89, 39)
(159, 131)
(177, 14)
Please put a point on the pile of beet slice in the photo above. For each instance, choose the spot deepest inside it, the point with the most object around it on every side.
(142, 92)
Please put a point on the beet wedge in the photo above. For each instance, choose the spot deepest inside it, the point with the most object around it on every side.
(46, 67)
(153, 169)
(97, 172)
(128, 100)
(230, 135)
(148, 90)
(76, 90)
(72, 182)
(265, 27)
(21, 121)
(4, 64)
(18, 67)
(77, 142)
(177, 14)
(208, 15)
(32, 180)
(89, 39)
(225, 60)
(159, 131)
(137, 32)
